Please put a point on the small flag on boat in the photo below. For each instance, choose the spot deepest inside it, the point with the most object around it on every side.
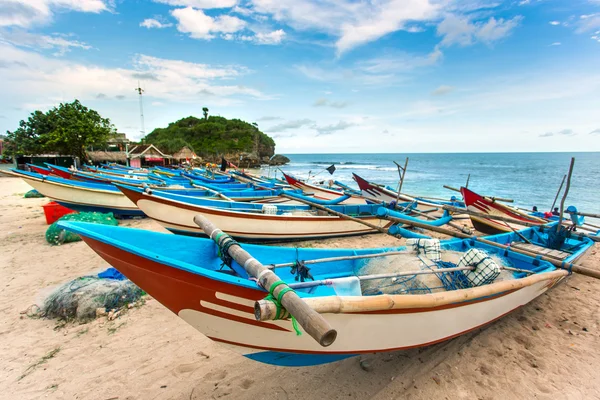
(331, 169)
(224, 164)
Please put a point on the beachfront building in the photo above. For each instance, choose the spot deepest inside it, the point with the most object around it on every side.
(147, 155)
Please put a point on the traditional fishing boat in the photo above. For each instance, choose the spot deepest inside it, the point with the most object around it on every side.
(252, 221)
(381, 193)
(320, 192)
(39, 170)
(486, 205)
(187, 276)
(79, 195)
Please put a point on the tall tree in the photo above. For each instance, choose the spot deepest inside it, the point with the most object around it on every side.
(205, 112)
(67, 129)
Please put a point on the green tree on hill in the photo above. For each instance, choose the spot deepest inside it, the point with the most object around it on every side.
(67, 129)
(211, 136)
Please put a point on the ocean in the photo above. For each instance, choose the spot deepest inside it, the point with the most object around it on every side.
(528, 178)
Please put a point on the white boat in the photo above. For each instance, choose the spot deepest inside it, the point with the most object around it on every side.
(247, 220)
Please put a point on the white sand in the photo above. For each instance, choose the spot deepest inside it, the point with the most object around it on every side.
(541, 351)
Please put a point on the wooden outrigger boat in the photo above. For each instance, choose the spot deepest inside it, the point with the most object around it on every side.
(79, 195)
(320, 192)
(380, 193)
(485, 205)
(251, 221)
(186, 275)
(103, 197)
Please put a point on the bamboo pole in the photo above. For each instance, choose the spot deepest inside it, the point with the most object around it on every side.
(341, 215)
(468, 178)
(562, 201)
(401, 178)
(463, 229)
(570, 266)
(558, 192)
(361, 304)
(312, 322)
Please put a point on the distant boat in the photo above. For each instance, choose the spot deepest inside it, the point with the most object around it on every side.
(320, 192)
(376, 192)
(486, 205)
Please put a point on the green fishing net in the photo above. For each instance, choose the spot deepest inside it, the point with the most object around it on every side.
(33, 194)
(56, 236)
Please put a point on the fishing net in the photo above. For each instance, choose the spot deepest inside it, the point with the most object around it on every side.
(556, 239)
(425, 283)
(56, 236)
(33, 194)
(80, 298)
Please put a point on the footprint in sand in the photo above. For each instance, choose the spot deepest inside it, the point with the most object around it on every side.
(216, 375)
(186, 368)
(246, 383)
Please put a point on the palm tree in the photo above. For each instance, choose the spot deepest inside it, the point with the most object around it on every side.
(205, 112)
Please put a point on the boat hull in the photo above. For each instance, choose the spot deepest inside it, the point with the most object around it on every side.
(178, 217)
(224, 313)
(85, 199)
(483, 205)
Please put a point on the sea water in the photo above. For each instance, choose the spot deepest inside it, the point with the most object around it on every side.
(528, 178)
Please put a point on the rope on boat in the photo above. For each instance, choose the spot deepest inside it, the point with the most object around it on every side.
(223, 248)
(300, 271)
(277, 301)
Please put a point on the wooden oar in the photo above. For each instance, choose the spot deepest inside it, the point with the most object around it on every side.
(312, 322)
(568, 266)
(339, 214)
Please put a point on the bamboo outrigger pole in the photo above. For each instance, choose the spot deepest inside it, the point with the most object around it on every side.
(401, 178)
(568, 266)
(558, 192)
(562, 201)
(312, 322)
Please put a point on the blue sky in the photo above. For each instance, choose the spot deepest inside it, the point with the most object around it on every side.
(319, 75)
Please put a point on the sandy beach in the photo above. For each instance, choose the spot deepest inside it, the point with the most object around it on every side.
(547, 349)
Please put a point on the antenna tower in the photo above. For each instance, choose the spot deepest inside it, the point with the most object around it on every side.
(140, 91)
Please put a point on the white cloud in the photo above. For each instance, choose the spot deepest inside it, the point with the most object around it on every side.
(274, 37)
(294, 124)
(202, 26)
(200, 3)
(329, 129)
(153, 23)
(53, 80)
(556, 44)
(381, 19)
(442, 90)
(554, 23)
(462, 31)
(588, 23)
(27, 13)
(47, 42)
(353, 23)
(327, 103)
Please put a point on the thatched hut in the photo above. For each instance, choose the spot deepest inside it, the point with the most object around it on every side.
(98, 157)
(185, 154)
